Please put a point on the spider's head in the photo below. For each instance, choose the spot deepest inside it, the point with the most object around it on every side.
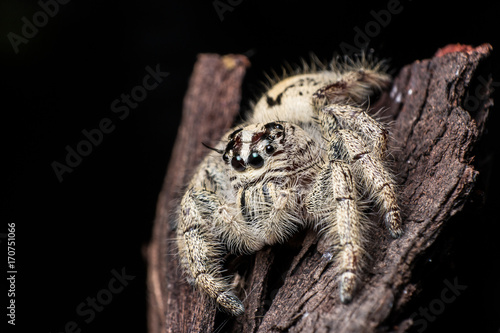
(254, 147)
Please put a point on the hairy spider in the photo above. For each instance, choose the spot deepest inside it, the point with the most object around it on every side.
(304, 158)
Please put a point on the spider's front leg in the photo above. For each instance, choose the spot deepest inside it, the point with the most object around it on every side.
(201, 251)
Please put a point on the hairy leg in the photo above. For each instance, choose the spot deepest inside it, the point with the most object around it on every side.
(366, 162)
(357, 120)
(334, 201)
(378, 181)
(199, 250)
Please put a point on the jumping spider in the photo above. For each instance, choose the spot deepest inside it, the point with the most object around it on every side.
(304, 158)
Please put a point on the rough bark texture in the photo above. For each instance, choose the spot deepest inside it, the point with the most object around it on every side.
(438, 109)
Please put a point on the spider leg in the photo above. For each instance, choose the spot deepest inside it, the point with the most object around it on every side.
(348, 229)
(352, 159)
(356, 119)
(277, 220)
(199, 250)
(380, 185)
(365, 156)
(334, 202)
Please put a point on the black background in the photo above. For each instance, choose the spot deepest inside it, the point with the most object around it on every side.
(72, 234)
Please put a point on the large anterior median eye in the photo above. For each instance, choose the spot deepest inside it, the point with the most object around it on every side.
(255, 160)
(237, 163)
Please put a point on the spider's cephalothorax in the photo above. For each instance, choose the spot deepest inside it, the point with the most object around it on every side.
(303, 158)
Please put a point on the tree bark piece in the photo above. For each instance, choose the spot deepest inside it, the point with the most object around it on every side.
(439, 107)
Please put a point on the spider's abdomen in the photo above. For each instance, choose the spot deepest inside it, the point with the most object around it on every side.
(290, 99)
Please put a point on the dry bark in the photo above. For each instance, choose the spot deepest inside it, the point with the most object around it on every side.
(438, 109)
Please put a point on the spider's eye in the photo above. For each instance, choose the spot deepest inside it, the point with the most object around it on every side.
(225, 157)
(269, 149)
(255, 160)
(273, 125)
(237, 163)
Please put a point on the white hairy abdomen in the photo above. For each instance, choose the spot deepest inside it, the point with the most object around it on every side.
(290, 100)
